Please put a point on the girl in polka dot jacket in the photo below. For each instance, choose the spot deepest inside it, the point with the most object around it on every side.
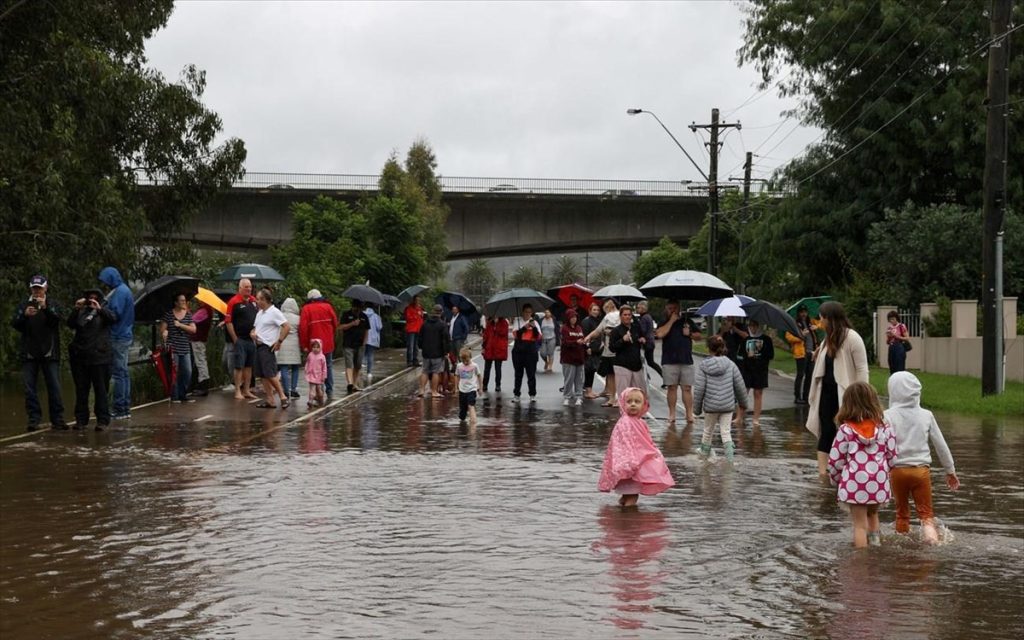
(858, 464)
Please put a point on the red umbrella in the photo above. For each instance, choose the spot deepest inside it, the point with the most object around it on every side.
(566, 291)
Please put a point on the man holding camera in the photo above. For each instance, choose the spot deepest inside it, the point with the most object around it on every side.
(37, 319)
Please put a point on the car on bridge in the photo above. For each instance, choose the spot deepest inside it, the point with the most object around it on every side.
(614, 193)
(504, 187)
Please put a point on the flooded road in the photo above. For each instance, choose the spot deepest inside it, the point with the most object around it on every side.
(389, 519)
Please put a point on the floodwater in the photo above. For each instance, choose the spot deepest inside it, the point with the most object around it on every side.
(391, 520)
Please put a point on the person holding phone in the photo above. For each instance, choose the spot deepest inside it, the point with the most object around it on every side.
(37, 319)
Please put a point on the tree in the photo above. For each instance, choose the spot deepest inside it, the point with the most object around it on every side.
(81, 121)
(667, 256)
(396, 255)
(417, 185)
(526, 276)
(898, 89)
(566, 270)
(478, 280)
(604, 277)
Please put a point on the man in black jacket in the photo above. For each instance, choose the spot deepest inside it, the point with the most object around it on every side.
(627, 342)
(38, 321)
(90, 356)
(434, 344)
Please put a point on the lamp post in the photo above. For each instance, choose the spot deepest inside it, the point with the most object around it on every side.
(712, 192)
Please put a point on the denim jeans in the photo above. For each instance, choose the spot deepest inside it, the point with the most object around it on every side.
(329, 382)
(410, 348)
(183, 376)
(368, 359)
(122, 381)
(289, 377)
(50, 369)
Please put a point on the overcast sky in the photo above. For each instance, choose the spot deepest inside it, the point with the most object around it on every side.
(498, 89)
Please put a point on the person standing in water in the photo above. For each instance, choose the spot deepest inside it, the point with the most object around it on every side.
(859, 461)
(633, 465)
(914, 427)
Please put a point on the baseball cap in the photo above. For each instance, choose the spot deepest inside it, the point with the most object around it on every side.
(313, 294)
(37, 281)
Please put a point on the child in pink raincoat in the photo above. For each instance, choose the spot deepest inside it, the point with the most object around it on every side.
(632, 463)
(316, 372)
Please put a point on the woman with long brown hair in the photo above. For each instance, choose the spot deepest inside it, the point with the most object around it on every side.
(839, 361)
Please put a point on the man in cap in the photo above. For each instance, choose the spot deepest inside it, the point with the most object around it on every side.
(37, 319)
(354, 327)
(318, 321)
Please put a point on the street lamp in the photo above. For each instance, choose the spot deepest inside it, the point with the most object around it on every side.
(634, 112)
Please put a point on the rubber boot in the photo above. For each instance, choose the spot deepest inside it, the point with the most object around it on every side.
(705, 450)
(874, 538)
(730, 449)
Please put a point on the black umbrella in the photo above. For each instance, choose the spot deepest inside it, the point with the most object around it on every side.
(769, 315)
(449, 299)
(509, 303)
(406, 294)
(157, 297)
(393, 302)
(259, 272)
(364, 293)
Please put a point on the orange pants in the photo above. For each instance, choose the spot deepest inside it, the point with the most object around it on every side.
(907, 482)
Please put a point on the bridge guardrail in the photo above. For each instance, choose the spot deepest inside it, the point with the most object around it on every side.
(506, 186)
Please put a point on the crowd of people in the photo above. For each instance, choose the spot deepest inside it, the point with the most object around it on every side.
(870, 455)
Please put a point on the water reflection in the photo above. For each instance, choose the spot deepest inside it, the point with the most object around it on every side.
(633, 542)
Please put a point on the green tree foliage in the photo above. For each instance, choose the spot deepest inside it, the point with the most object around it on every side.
(81, 121)
(667, 256)
(566, 270)
(899, 90)
(604, 277)
(526, 276)
(417, 185)
(478, 280)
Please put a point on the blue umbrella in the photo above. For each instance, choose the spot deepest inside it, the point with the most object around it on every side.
(723, 307)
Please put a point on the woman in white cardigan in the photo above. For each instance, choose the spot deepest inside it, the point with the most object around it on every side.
(839, 361)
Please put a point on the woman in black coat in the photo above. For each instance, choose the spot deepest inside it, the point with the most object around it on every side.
(90, 355)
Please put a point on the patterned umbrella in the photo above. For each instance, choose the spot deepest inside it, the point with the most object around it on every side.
(724, 307)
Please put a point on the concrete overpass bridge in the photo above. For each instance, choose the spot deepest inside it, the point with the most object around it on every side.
(489, 216)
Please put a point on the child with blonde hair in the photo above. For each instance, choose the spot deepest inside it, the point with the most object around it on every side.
(316, 372)
(632, 463)
(859, 461)
(914, 427)
(468, 374)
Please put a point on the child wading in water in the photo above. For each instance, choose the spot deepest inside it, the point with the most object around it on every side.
(632, 463)
(316, 372)
(718, 390)
(468, 373)
(859, 462)
(911, 475)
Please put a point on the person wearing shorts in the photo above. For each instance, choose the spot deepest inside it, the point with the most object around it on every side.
(677, 334)
(354, 329)
(268, 332)
(434, 345)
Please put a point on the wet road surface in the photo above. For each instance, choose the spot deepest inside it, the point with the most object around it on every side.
(387, 518)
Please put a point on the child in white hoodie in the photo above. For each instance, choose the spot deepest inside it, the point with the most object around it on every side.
(911, 475)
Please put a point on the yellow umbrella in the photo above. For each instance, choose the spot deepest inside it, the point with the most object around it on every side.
(211, 299)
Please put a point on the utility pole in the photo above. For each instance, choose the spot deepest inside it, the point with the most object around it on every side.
(713, 147)
(747, 166)
(994, 199)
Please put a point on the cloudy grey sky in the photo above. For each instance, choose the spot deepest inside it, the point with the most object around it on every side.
(499, 89)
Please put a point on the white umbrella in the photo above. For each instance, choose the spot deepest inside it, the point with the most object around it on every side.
(621, 292)
(725, 307)
(687, 285)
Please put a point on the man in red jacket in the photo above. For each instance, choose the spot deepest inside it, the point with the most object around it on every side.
(318, 320)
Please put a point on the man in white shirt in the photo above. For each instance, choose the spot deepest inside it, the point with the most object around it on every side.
(269, 332)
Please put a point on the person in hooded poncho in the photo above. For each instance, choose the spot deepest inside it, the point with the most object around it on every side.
(121, 305)
(633, 465)
(860, 459)
(914, 428)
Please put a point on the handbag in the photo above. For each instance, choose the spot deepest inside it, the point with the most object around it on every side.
(907, 346)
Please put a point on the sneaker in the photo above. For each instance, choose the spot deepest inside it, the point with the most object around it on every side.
(294, 394)
(497, 389)
(126, 416)
(173, 401)
(579, 402)
(189, 400)
(515, 398)
(533, 399)
(565, 403)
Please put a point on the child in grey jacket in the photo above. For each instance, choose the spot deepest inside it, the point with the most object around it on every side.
(914, 428)
(719, 389)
